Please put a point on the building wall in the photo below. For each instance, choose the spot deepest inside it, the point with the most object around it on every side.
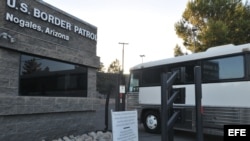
(78, 49)
(33, 118)
(37, 118)
(9, 72)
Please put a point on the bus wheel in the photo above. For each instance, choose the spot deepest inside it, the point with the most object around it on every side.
(151, 122)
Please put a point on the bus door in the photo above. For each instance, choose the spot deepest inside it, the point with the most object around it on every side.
(132, 96)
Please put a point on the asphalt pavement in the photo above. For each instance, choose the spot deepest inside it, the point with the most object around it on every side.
(178, 136)
(142, 135)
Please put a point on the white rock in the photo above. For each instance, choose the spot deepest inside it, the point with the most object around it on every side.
(89, 139)
(91, 136)
(59, 139)
(65, 138)
(72, 137)
(84, 136)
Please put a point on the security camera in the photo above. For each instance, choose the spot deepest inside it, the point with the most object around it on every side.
(6, 36)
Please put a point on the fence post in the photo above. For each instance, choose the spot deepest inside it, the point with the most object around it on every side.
(168, 96)
(198, 105)
(164, 117)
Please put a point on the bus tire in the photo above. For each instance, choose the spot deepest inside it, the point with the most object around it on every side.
(152, 121)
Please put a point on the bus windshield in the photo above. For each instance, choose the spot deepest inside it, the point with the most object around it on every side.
(134, 82)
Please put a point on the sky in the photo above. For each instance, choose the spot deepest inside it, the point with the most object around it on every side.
(146, 25)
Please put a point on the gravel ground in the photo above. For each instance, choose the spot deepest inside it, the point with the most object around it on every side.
(91, 136)
(99, 134)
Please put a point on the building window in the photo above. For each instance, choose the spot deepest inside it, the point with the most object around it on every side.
(45, 77)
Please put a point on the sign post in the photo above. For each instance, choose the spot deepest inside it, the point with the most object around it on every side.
(122, 97)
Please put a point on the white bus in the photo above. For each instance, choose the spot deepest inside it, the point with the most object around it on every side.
(225, 89)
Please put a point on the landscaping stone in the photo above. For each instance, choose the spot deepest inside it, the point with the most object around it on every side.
(91, 136)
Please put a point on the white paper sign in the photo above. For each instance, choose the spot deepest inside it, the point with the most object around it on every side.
(124, 126)
(122, 89)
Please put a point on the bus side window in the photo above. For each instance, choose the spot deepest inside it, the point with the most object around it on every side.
(189, 74)
(248, 65)
(227, 68)
(151, 77)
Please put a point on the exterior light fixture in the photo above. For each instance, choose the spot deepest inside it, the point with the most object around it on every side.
(142, 57)
(6, 36)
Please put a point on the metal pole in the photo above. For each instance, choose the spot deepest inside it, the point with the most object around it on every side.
(167, 120)
(123, 55)
(164, 116)
(142, 58)
(107, 112)
(122, 77)
(198, 96)
(122, 58)
(117, 98)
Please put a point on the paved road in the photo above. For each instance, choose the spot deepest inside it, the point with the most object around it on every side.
(179, 136)
(144, 136)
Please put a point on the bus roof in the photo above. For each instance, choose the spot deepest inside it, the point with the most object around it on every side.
(211, 52)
